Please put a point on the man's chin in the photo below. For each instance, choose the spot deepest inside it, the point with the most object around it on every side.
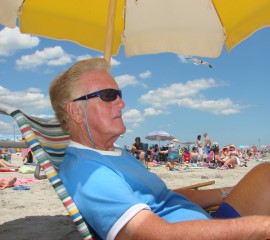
(123, 131)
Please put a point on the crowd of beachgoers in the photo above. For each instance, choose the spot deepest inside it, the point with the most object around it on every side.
(197, 154)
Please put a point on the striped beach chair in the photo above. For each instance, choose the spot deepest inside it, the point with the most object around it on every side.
(48, 143)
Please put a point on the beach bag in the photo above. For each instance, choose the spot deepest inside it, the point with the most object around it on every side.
(26, 170)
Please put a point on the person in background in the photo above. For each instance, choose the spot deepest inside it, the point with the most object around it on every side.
(138, 149)
(200, 147)
(26, 153)
(207, 143)
(194, 156)
(7, 183)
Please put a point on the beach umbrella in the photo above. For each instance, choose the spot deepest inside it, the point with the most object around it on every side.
(188, 143)
(187, 27)
(159, 136)
(175, 140)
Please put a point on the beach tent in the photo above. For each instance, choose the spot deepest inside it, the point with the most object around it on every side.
(187, 27)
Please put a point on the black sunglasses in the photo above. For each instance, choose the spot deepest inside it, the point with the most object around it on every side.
(106, 95)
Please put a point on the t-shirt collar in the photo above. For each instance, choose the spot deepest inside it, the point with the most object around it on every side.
(116, 152)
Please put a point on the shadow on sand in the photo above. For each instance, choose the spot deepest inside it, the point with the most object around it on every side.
(57, 227)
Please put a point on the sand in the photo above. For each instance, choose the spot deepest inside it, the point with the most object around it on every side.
(38, 213)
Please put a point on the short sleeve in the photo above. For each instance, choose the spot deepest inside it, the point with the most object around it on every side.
(102, 195)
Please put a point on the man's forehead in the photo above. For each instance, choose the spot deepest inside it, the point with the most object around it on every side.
(95, 76)
(97, 80)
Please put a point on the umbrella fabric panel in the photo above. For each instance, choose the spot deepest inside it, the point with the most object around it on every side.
(188, 27)
(9, 11)
(241, 18)
(81, 21)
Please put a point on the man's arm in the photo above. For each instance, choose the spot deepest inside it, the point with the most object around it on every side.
(205, 197)
(147, 225)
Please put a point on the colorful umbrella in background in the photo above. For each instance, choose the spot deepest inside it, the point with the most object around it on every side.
(159, 136)
(175, 140)
(187, 27)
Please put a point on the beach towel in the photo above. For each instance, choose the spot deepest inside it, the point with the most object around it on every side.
(9, 169)
(22, 181)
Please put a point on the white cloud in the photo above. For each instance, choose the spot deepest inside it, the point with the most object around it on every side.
(54, 56)
(60, 61)
(44, 116)
(183, 58)
(129, 130)
(33, 90)
(172, 93)
(83, 57)
(30, 102)
(3, 90)
(126, 80)
(114, 62)
(133, 116)
(6, 127)
(12, 40)
(189, 95)
(136, 125)
(218, 107)
(154, 112)
(145, 75)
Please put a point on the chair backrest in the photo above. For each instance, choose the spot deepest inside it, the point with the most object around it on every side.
(47, 142)
(145, 149)
(173, 154)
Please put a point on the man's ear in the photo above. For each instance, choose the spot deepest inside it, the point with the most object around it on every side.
(74, 111)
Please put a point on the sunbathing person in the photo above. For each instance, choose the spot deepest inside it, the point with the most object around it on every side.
(5, 164)
(118, 197)
(194, 155)
(154, 153)
(226, 159)
(7, 183)
(170, 165)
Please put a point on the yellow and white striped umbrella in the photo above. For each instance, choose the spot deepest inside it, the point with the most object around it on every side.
(187, 27)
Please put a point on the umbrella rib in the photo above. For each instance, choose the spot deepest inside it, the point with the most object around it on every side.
(109, 31)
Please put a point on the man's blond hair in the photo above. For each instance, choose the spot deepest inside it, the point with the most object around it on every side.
(63, 86)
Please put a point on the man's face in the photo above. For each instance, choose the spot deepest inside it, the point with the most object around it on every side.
(104, 118)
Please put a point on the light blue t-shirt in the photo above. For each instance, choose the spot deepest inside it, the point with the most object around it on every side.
(110, 187)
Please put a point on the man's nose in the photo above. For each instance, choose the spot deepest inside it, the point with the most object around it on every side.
(119, 101)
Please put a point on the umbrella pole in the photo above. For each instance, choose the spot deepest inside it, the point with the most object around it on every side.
(109, 31)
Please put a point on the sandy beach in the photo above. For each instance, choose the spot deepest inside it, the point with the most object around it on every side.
(37, 213)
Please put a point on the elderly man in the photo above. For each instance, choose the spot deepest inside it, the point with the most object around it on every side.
(118, 196)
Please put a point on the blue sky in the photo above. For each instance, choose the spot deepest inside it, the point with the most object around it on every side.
(162, 92)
